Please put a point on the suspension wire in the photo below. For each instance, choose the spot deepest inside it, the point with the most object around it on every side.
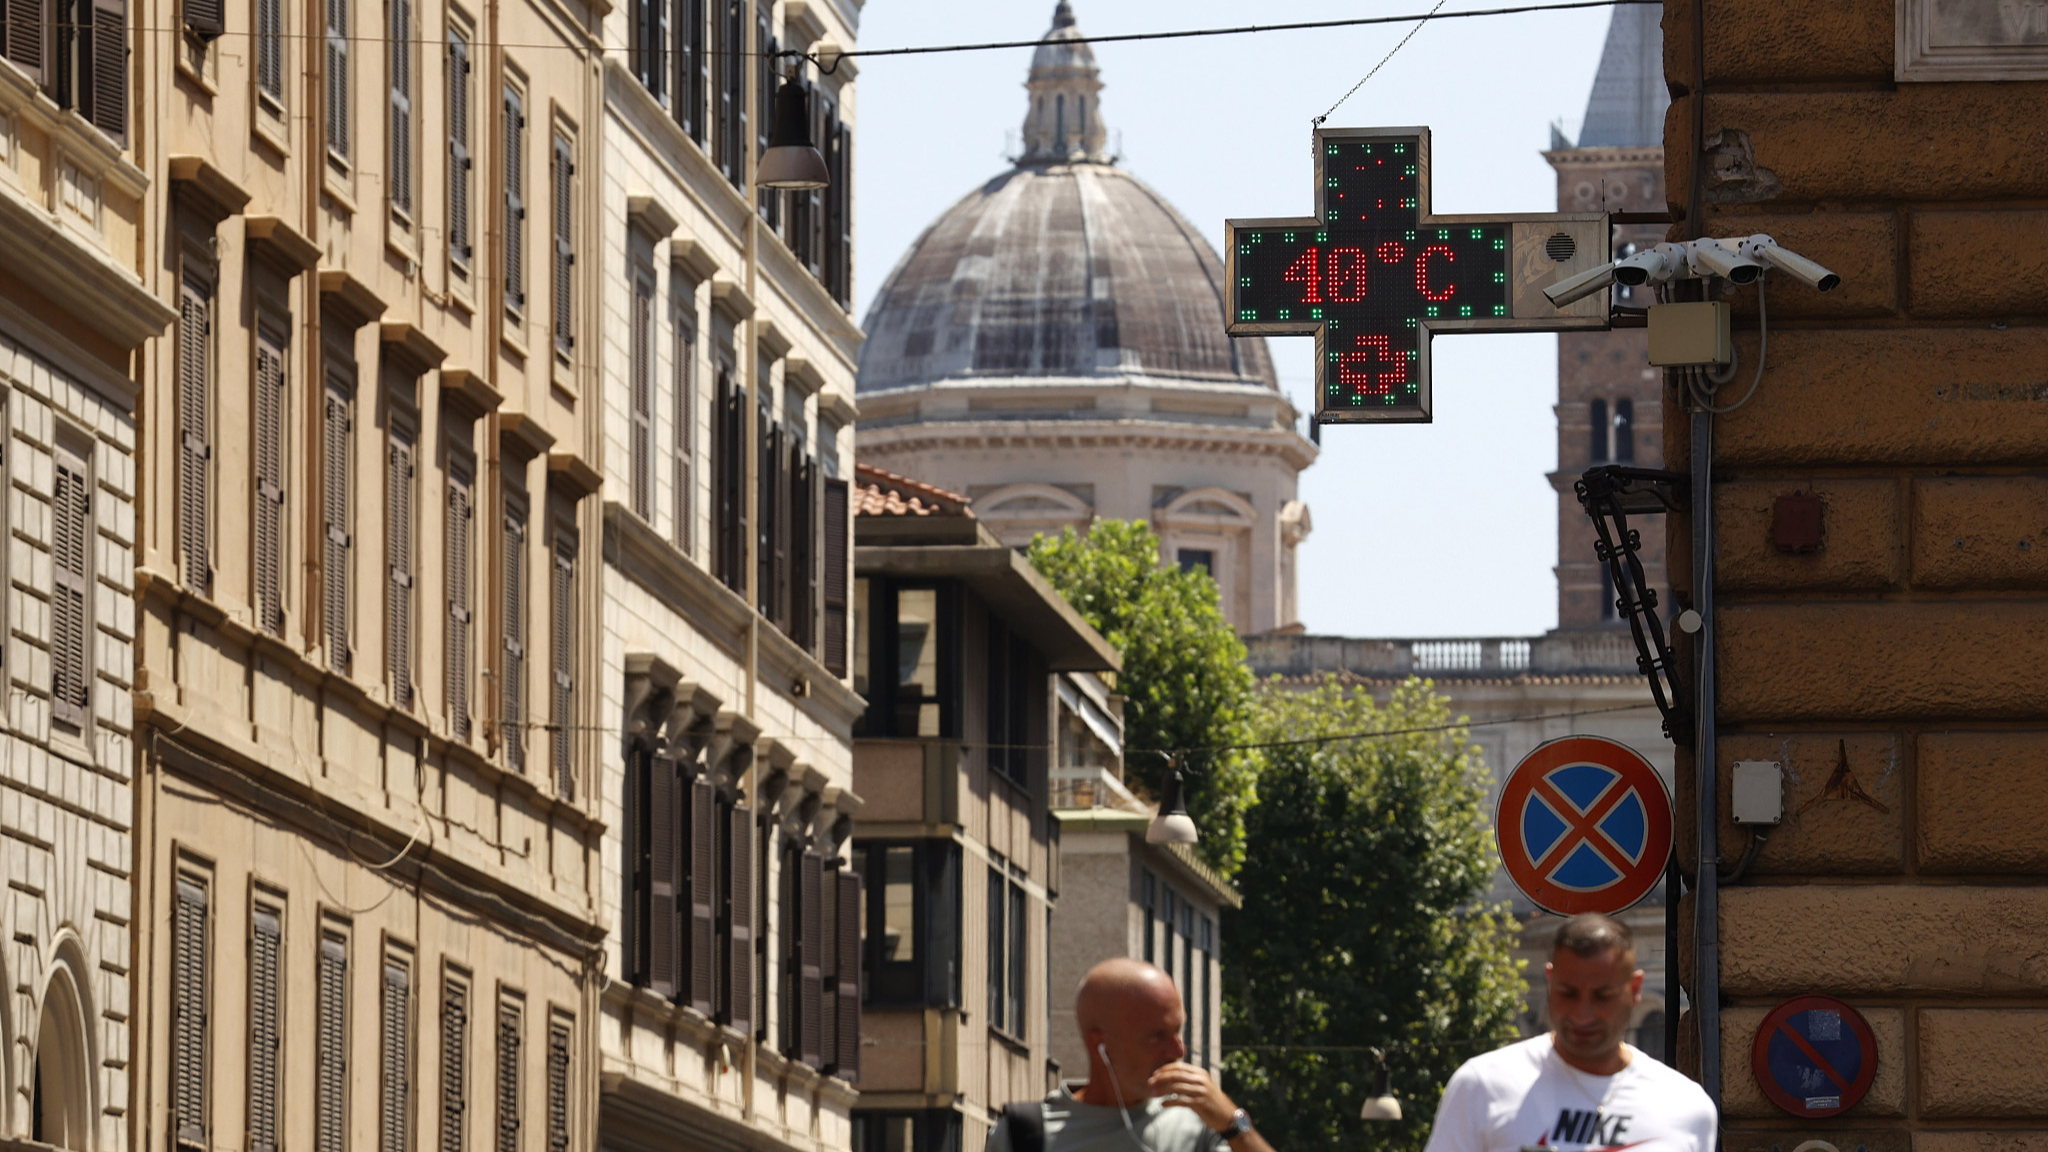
(1353, 91)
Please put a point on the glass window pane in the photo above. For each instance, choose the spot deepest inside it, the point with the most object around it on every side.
(896, 1133)
(899, 905)
(860, 637)
(917, 657)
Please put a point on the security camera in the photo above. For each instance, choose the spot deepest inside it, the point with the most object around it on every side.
(1722, 258)
(1766, 250)
(1653, 266)
(1573, 289)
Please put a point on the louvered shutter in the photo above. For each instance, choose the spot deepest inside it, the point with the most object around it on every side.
(565, 248)
(703, 849)
(803, 551)
(512, 685)
(454, 1066)
(842, 188)
(736, 460)
(810, 959)
(832, 546)
(270, 403)
(188, 1014)
(459, 247)
(396, 1073)
(266, 945)
(562, 656)
(685, 437)
(642, 362)
(400, 177)
(738, 867)
(26, 24)
(398, 528)
(71, 528)
(337, 546)
(767, 515)
(700, 79)
(270, 49)
(515, 200)
(558, 1087)
(461, 505)
(508, 1079)
(330, 1071)
(656, 909)
(106, 81)
(723, 491)
(338, 86)
(846, 1028)
(195, 441)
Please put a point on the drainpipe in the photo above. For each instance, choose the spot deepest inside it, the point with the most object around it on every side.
(1706, 998)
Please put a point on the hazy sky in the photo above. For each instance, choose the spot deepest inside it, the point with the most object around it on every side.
(1442, 529)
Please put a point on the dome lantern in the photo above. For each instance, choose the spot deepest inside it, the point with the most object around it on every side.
(1063, 124)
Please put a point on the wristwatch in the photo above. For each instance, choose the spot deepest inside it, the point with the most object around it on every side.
(1239, 1125)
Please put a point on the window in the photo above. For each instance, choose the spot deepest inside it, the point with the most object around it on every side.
(683, 442)
(71, 610)
(693, 67)
(843, 1053)
(736, 916)
(703, 849)
(457, 553)
(330, 1056)
(1148, 897)
(86, 68)
(649, 46)
(337, 443)
(1624, 431)
(1019, 942)
(1166, 922)
(1198, 560)
(512, 621)
(1187, 975)
(515, 199)
(765, 47)
(460, 245)
(401, 501)
(912, 914)
(1009, 703)
(563, 170)
(271, 407)
(510, 1013)
(658, 860)
(803, 932)
(838, 275)
(337, 76)
(935, 1130)
(195, 435)
(189, 998)
(833, 535)
(266, 1018)
(641, 359)
(729, 471)
(1206, 1001)
(398, 178)
(729, 152)
(771, 514)
(1007, 942)
(1596, 450)
(562, 647)
(395, 1072)
(454, 1063)
(270, 48)
(559, 1032)
(915, 662)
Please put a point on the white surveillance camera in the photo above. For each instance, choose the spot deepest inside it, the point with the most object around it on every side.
(1716, 258)
(1652, 266)
(1572, 289)
(1762, 248)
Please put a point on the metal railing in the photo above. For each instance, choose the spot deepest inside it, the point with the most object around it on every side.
(1597, 653)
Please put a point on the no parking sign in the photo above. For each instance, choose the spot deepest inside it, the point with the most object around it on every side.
(1814, 1056)
(1584, 825)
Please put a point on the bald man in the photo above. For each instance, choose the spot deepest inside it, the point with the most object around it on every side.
(1140, 1095)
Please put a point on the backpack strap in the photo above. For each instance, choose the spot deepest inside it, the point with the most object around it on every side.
(1025, 1125)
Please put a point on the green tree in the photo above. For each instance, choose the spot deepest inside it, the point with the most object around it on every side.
(1365, 864)
(1184, 679)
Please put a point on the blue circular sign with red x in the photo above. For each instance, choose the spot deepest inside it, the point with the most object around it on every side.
(1584, 825)
(1814, 1056)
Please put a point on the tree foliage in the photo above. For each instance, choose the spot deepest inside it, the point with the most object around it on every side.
(1184, 677)
(1365, 862)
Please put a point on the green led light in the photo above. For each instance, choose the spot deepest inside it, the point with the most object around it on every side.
(1443, 233)
(1500, 309)
(1429, 311)
(1283, 314)
(1477, 234)
(1315, 313)
(1498, 278)
(1408, 235)
(1322, 237)
(1287, 236)
(1499, 245)
(1464, 310)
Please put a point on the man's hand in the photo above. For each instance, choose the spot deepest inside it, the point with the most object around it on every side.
(1183, 1085)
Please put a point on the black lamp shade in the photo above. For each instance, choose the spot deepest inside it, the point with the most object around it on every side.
(792, 159)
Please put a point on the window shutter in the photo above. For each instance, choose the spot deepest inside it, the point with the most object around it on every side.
(842, 188)
(270, 49)
(558, 1086)
(767, 545)
(337, 77)
(565, 248)
(458, 150)
(270, 402)
(703, 850)
(461, 512)
(562, 654)
(106, 91)
(810, 955)
(685, 436)
(656, 904)
(71, 528)
(803, 551)
(700, 78)
(1019, 941)
(738, 868)
(265, 1031)
(996, 952)
(643, 399)
(401, 105)
(508, 1078)
(845, 1058)
(25, 31)
(195, 442)
(330, 1072)
(396, 1074)
(337, 552)
(512, 685)
(454, 1066)
(832, 546)
(398, 528)
(515, 201)
(188, 1012)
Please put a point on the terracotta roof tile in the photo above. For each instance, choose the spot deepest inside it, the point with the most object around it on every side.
(882, 493)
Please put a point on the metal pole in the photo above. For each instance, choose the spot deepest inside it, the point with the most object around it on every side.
(1706, 997)
(1672, 885)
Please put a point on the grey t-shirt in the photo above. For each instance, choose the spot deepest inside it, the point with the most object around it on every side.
(1071, 1126)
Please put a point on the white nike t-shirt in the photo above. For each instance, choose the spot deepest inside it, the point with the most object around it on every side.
(1525, 1094)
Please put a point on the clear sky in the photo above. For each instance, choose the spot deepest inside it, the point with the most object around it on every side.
(1444, 529)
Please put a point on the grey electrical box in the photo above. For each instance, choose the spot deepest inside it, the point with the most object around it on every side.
(1692, 334)
(1759, 792)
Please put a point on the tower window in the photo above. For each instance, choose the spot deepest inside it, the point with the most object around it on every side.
(1596, 450)
(1624, 432)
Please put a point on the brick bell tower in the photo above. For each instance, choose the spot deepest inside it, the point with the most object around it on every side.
(1609, 400)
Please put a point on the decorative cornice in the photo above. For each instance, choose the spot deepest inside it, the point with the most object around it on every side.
(79, 277)
(205, 188)
(573, 473)
(523, 434)
(407, 343)
(357, 299)
(286, 245)
(468, 393)
(651, 216)
(1282, 444)
(693, 259)
(730, 298)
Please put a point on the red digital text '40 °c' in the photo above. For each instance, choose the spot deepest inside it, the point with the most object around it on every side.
(1339, 276)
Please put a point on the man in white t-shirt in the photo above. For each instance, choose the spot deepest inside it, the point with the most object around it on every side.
(1577, 1087)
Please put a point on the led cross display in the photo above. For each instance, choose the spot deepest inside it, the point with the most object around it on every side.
(1373, 275)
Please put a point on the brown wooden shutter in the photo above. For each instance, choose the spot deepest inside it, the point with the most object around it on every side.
(842, 188)
(642, 367)
(508, 1079)
(703, 849)
(685, 437)
(738, 868)
(195, 441)
(266, 1033)
(106, 88)
(832, 548)
(562, 655)
(565, 248)
(398, 530)
(204, 18)
(803, 551)
(515, 200)
(188, 1014)
(399, 180)
(395, 1075)
(558, 1086)
(337, 545)
(459, 246)
(270, 473)
(71, 531)
(461, 514)
(270, 48)
(27, 23)
(512, 622)
(454, 1066)
(810, 958)
(845, 1058)
(330, 1057)
(338, 87)
(656, 910)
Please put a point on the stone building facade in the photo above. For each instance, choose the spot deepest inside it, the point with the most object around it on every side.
(1892, 669)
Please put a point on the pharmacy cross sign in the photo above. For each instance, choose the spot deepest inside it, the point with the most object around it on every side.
(1373, 275)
